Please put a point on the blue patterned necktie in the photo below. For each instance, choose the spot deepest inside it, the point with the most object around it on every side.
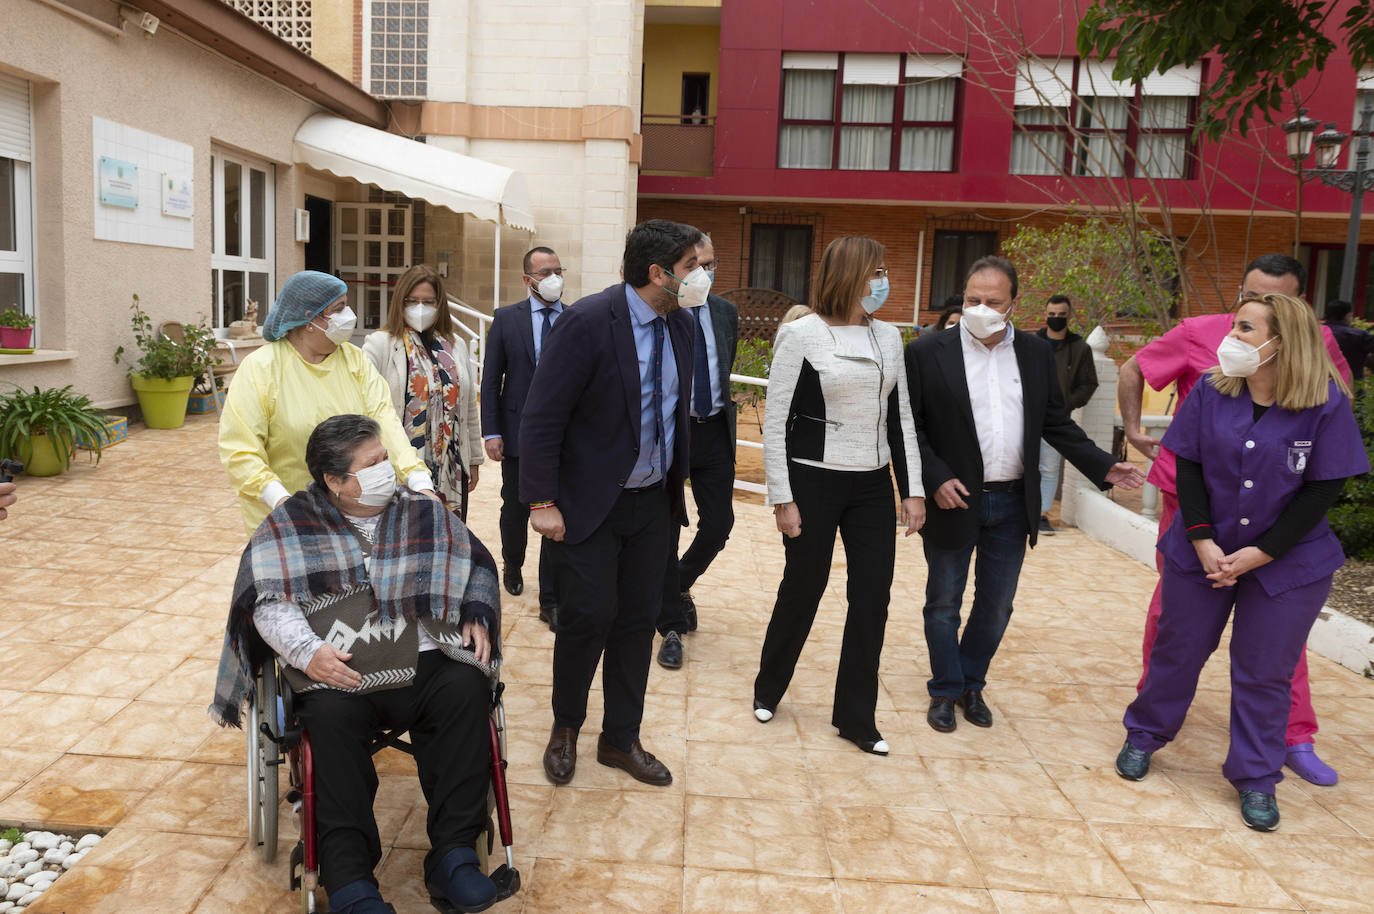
(701, 373)
(544, 331)
(658, 399)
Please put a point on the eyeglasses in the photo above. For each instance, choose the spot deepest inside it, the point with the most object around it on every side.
(421, 301)
(545, 274)
(879, 273)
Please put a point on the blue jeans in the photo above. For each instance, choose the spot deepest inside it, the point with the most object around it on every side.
(1049, 476)
(958, 663)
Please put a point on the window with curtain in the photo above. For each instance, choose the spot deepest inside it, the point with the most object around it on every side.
(16, 200)
(1040, 143)
(1102, 144)
(1364, 95)
(953, 252)
(869, 112)
(928, 112)
(780, 259)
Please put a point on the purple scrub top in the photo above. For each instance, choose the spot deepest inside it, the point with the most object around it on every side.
(1253, 469)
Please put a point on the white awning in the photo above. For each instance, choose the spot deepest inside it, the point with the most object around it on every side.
(460, 183)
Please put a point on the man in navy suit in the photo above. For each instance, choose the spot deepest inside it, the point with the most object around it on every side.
(605, 445)
(514, 345)
(712, 469)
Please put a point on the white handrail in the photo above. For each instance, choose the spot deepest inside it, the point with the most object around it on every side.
(744, 485)
(478, 352)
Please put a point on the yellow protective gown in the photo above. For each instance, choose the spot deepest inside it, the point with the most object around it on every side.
(275, 401)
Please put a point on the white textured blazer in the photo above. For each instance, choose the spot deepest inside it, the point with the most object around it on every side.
(830, 403)
(388, 354)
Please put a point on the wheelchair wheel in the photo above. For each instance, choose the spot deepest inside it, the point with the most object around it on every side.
(263, 797)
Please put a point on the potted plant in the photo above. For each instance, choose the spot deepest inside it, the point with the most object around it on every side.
(41, 427)
(16, 329)
(166, 369)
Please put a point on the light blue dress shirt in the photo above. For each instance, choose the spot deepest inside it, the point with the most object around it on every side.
(646, 469)
(703, 314)
(537, 306)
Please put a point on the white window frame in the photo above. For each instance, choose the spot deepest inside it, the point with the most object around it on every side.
(221, 263)
(21, 261)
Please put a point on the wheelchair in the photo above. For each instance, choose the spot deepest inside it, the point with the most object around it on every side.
(276, 739)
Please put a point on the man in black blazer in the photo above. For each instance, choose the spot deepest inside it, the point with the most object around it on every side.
(605, 446)
(982, 397)
(712, 469)
(513, 347)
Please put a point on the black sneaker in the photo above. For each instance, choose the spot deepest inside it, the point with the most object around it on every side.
(1045, 528)
(1132, 763)
(670, 651)
(1260, 811)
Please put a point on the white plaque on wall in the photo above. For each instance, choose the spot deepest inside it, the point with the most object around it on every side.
(178, 196)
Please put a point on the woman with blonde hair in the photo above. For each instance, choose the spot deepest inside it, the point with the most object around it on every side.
(837, 426)
(1264, 447)
(431, 381)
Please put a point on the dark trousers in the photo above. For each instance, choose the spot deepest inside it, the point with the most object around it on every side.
(608, 586)
(1268, 637)
(859, 506)
(446, 711)
(713, 489)
(515, 524)
(959, 663)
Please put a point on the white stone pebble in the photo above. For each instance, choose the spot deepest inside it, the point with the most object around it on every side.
(21, 846)
(29, 869)
(87, 842)
(8, 870)
(24, 856)
(69, 863)
(6, 906)
(43, 878)
(28, 899)
(41, 840)
(5, 845)
(55, 855)
(16, 892)
(67, 846)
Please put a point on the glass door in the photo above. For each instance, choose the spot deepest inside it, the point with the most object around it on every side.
(371, 249)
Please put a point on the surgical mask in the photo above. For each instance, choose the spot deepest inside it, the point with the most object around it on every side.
(983, 321)
(421, 317)
(340, 325)
(696, 287)
(378, 483)
(1057, 323)
(877, 294)
(711, 274)
(550, 288)
(1239, 359)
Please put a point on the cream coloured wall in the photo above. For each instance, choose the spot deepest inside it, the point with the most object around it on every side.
(331, 41)
(168, 86)
(670, 51)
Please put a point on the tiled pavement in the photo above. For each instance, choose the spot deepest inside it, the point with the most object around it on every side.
(113, 587)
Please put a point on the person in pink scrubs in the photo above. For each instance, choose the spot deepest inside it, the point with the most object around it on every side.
(1181, 357)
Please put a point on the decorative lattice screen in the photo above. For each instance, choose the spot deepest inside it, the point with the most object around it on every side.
(287, 19)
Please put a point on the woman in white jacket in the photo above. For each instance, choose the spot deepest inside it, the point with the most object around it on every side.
(836, 428)
(432, 384)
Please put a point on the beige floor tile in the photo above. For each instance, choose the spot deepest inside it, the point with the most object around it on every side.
(1323, 874)
(157, 630)
(1041, 903)
(1044, 855)
(734, 892)
(1088, 743)
(86, 791)
(1191, 864)
(40, 720)
(612, 825)
(224, 746)
(1188, 907)
(1098, 793)
(898, 845)
(19, 765)
(845, 777)
(762, 836)
(197, 798)
(747, 771)
(999, 788)
(121, 674)
(732, 720)
(248, 886)
(1000, 742)
(579, 885)
(865, 897)
(38, 659)
(79, 629)
(149, 729)
(191, 683)
(1298, 806)
(1064, 701)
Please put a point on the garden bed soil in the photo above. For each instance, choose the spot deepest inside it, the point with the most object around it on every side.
(1352, 591)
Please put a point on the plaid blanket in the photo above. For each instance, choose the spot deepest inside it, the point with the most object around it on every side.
(425, 563)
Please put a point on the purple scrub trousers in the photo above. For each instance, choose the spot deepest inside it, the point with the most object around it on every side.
(1267, 638)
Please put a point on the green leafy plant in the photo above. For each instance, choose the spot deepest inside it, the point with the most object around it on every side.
(162, 357)
(1352, 516)
(12, 835)
(60, 414)
(13, 317)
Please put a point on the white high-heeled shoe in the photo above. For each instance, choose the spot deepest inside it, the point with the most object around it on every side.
(761, 714)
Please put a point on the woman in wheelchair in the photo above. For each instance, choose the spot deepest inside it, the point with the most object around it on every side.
(384, 611)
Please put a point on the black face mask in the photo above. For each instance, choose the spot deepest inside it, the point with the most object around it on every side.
(1057, 323)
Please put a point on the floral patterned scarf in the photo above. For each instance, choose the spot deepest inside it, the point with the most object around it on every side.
(431, 411)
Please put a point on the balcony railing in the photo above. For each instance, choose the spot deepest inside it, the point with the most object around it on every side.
(678, 144)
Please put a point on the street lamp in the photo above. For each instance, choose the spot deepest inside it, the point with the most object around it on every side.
(1299, 131)
(1354, 181)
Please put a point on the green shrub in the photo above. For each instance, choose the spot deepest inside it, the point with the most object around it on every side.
(62, 415)
(13, 317)
(753, 358)
(165, 358)
(1352, 517)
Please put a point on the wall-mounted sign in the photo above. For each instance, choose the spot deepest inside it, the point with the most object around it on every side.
(178, 198)
(118, 183)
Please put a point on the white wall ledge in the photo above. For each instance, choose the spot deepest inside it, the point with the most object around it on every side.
(38, 356)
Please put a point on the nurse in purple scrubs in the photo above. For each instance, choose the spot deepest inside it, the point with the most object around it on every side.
(1264, 446)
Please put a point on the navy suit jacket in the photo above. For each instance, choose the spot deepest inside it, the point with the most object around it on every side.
(580, 432)
(507, 370)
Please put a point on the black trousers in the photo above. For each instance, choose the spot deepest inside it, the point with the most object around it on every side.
(515, 526)
(446, 710)
(860, 507)
(608, 586)
(713, 488)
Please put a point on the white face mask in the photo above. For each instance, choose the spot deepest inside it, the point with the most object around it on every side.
(1238, 359)
(378, 483)
(340, 326)
(550, 288)
(421, 317)
(695, 288)
(983, 321)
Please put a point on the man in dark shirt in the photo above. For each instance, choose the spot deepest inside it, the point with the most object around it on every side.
(1073, 365)
(1356, 345)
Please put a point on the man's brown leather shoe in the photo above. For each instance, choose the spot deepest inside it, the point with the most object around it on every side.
(560, 757)
(637, 763)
